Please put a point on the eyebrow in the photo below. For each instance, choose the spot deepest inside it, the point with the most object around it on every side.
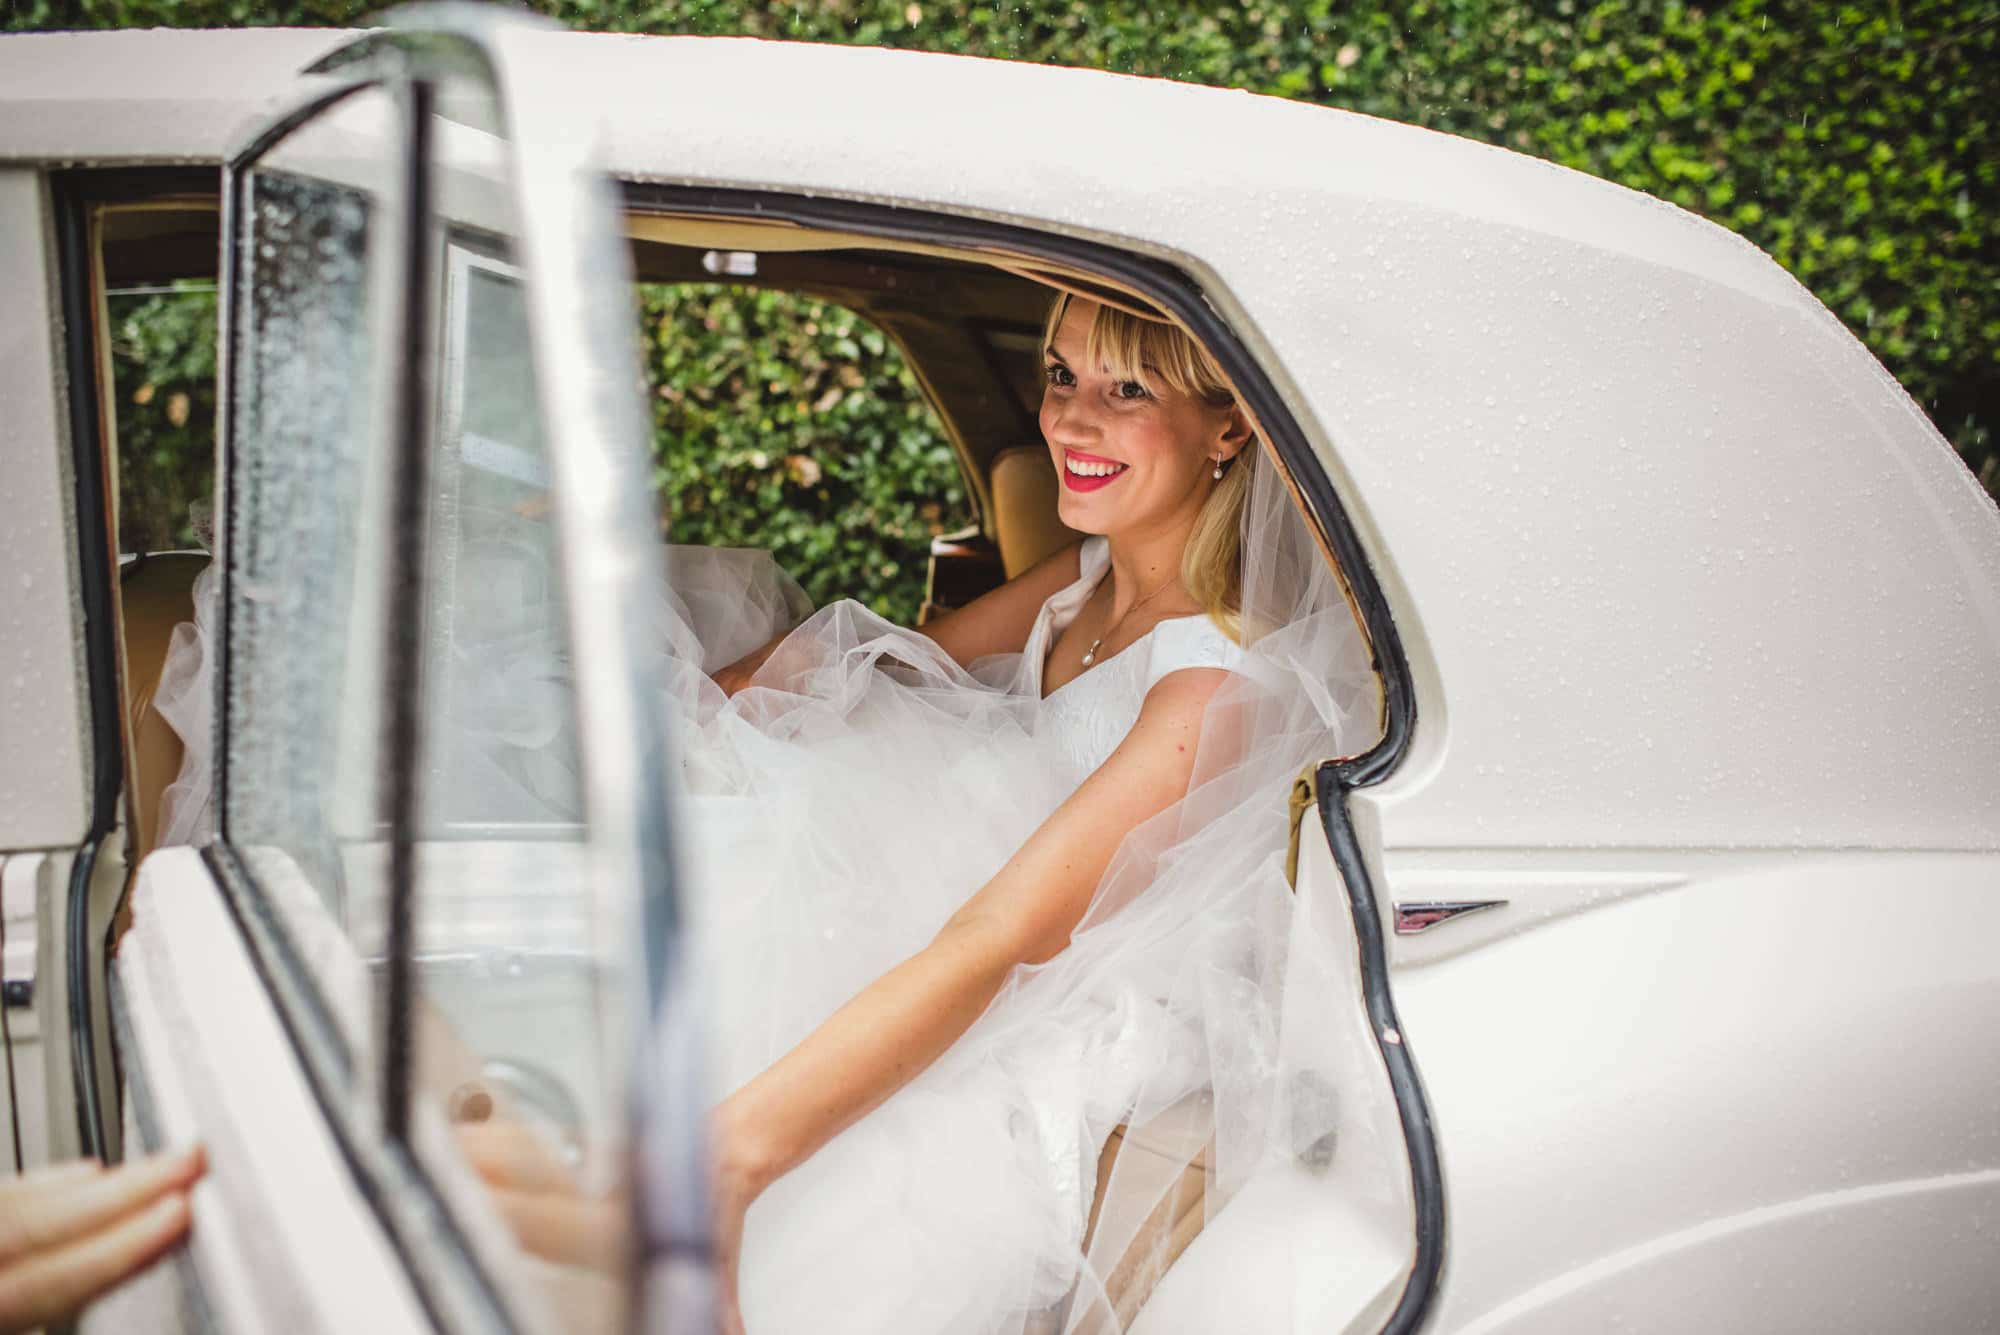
(1051, 352)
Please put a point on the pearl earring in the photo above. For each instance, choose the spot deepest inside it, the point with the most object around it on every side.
(1218, 468)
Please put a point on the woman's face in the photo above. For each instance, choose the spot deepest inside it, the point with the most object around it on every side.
(1128, 460)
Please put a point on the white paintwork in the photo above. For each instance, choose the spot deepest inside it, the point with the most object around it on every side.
(44, 804)
(281, 1237)
(140, 95)
(1648, 516)
(1772, 1081)
(56, 1070)
(1679, 571)
(1304, 1249)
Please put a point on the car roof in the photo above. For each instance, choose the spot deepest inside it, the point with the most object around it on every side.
(189, 95)
(1665, 543)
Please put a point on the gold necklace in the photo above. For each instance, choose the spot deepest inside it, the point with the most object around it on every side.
(1090, 654)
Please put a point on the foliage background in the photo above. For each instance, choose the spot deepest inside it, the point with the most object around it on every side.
(1855, 143)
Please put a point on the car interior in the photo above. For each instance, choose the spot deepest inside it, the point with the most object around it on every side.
(967, 323)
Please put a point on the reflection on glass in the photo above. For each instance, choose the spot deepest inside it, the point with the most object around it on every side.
(513, 996)
(511, 982)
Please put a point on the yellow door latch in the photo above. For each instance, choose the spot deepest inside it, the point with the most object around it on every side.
(1305, 796)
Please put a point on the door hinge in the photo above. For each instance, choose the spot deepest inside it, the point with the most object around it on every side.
(1305, 796)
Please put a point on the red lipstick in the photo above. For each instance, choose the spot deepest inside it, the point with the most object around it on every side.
(1089, 481)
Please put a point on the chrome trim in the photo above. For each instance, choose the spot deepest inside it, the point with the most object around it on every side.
(1420, 915)
(18, 929)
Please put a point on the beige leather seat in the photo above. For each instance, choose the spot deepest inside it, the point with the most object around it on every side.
(156, 593)
(1024, 486)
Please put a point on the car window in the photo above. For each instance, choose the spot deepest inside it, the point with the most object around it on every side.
(300, 802)
(508, 967)
(163, 408)
(433, 435)
(513, 975)
(405, 773)
(793, 423)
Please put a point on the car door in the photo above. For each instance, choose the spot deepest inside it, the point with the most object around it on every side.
(399, 995)
(58, 722)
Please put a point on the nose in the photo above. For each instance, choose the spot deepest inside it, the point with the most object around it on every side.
(1069, 421)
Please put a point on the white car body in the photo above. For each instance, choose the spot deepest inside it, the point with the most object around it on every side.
(1690, 620)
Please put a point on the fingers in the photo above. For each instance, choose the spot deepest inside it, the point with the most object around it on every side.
(508, 1154)
(72, 1170)
(56, 1206)
(49, 1285)
(570, 1230)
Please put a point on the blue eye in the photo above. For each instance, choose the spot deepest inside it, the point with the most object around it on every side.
(1058, 375)
(1132, 389)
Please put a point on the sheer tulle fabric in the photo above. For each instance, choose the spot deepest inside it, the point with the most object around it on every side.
(838, 811)
(185, 698)
(830, 819)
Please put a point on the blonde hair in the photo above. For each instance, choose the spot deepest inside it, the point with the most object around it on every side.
(1152, 352)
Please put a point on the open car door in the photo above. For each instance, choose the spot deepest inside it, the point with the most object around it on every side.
(399, 993)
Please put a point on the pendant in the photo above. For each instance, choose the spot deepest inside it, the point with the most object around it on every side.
(1090, 654)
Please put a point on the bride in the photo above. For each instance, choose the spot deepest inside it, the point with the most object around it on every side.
(996, 958)
(1028, 905)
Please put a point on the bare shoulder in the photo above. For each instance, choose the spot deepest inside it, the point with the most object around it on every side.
(998, 622)
(1175, 705)
(1157, 755)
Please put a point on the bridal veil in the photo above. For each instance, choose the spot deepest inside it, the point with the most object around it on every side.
(1044, 1172)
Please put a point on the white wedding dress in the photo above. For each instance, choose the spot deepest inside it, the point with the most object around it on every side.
(831, 817)
(959, 1205)
(831, 826)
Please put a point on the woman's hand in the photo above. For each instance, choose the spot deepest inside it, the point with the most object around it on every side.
(70, 1232)
(738, 674)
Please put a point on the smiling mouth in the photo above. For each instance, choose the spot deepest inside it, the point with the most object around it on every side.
(1082, 472)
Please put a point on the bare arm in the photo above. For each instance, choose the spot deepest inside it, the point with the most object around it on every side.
(996, 622)
(903, 1021)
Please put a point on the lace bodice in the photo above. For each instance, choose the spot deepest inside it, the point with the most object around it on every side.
(1091, 713)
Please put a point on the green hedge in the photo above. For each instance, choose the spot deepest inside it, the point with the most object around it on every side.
(1857, 144)
(163, 381)
(794, 425)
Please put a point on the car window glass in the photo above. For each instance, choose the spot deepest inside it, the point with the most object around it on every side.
(314, 247)
(163, 405)
(511, 978)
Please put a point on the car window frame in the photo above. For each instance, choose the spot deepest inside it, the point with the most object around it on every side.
(1174, 290)
(557, 199)
(445, 1270)
(293, 984)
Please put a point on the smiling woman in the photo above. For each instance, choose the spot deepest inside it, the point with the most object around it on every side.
(1030, 906)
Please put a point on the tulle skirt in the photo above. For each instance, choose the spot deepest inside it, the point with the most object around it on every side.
(831, 819)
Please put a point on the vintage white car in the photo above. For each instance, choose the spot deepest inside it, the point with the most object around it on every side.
(1674, 872)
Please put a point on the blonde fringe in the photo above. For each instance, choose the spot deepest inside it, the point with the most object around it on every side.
(1150, 352)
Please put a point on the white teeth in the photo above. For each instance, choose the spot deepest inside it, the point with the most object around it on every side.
(1082, 469)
